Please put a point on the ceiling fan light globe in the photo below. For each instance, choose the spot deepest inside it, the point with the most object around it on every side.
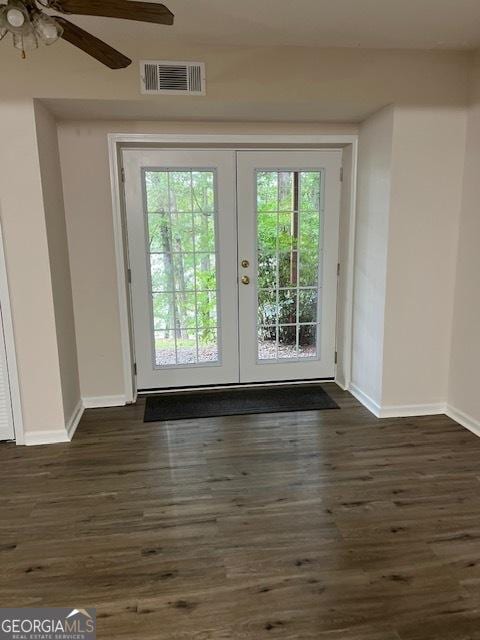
(25, 42)
(46, 28)
(15, 18)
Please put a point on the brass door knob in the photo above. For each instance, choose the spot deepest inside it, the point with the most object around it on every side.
(245, 280)
(245, 264)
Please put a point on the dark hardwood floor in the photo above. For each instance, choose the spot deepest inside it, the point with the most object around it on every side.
(326, 525)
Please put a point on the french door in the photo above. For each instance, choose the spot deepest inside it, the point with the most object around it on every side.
(181, 229)
(288, 216)
(233, 264)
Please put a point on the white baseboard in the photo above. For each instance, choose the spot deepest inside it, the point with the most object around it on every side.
(100, 402)
(367, 402)
(75, 418)
(464, 419)
(410, 411)
(397, 411)
(53, 436)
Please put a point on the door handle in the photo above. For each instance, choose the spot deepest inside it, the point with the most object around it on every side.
(245, 280)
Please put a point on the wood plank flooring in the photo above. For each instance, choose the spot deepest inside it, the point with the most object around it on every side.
(326, 525)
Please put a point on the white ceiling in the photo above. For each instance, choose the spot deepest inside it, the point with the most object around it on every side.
(385, 24)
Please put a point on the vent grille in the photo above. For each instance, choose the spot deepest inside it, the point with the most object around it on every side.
(174, 78)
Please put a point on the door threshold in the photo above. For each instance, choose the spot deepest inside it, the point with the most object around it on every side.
(232, 385)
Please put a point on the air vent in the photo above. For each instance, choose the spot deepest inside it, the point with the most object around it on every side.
(159, 77)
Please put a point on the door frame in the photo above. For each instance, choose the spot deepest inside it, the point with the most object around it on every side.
(237, 142)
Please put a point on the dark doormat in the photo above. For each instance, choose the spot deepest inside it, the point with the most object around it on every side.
(234, 402)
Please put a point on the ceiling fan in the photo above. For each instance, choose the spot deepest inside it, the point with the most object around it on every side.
(29, 24)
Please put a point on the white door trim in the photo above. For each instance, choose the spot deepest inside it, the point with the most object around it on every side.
(349, 274)
(9, 337)
(115, 142)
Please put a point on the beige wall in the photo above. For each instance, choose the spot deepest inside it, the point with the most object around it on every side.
(87, 192)
(464, 396)
(243, 84)
(371, 246)
(28, 268)
(428, 161)
(410, 175)
(411, 163)
(59, 259)
(429, 90)
(86, 183)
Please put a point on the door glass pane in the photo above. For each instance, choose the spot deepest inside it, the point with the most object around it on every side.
(307, 340)
(267, 306)
(287, 342)
(307, 305)
(181, 219)
(204, 227)
(287, 306)
(289, 222)
(267, 270)
(203, 193)
(308, 248)
(267, 232)
(267, 191)
(165, 351)
(184, 271)
(161, 272)
(267, 343)
(182, 232)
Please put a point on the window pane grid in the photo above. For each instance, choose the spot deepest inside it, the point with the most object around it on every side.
(293, 324)
(179, 292)
(155, 212)
(181, 253)
(289, 209)
(180, 208)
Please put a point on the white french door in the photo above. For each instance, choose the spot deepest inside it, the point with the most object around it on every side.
(288, 224)
(180, 210)
(233, 264)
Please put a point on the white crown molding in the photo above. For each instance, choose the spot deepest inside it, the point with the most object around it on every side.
(99, 402)
(464, 419)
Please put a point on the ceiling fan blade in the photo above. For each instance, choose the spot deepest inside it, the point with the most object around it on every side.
(96, 48)
(142, 11)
